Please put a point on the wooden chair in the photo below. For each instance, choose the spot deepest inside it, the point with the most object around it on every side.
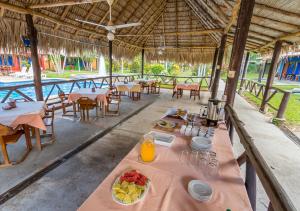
(113, 100)
(135, 92)
(12, 136)
(195, 93)
(85, 105)
(155, 87)
(49, 123)
(65, 103)
(146, 86)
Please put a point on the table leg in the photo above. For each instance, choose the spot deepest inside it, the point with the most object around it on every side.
(5, 154)
(38, 138)
(74, 109)
(27, 136)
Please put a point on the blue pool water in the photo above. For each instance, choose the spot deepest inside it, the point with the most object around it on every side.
(29, 91)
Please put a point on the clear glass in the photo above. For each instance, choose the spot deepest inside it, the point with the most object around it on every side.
(194, 158)
(213, 168)
(184, 157)
(147, 150)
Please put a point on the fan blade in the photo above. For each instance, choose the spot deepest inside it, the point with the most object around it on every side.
(91, 23)
(126, 25)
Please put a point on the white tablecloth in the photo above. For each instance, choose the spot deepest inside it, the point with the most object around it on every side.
(33, 110)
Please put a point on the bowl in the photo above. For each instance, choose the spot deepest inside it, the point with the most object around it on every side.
(200, 190)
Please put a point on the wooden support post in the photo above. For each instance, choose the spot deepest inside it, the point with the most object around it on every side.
(110, 63)
(213, 68)
(32, 34)
(283, 105)
(271, 75)
(244, 71)
(239, 44)
(215, 86)
(250, 183)
(270, 208)
(143, 62)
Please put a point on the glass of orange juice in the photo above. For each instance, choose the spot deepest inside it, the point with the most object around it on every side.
(147, 152)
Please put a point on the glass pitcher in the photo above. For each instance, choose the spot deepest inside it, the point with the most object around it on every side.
(147, 150)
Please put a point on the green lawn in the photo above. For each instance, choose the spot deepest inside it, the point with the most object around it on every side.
(292, 113)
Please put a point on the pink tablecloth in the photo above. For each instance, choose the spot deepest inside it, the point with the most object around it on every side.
(99, 94)
(169, 180)
(194, 86)
(28, 113)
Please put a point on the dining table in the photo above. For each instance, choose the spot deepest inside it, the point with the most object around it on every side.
(127, 87)
(27, 114)
(169, 178)
(187, 86)
(97, 94)
(144, 80)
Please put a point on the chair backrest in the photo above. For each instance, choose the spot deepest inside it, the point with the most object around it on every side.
(62, 96)
(86, 103)
(113, 96)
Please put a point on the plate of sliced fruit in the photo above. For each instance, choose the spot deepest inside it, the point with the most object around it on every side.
(130, 188)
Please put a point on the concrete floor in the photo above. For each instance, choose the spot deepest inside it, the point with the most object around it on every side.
(70, 133)
(68, 185)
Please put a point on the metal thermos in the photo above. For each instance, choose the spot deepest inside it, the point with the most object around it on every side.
(213, 111)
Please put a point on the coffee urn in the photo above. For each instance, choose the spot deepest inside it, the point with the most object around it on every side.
(213, 112)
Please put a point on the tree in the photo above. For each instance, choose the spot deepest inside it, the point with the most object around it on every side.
(157, 69)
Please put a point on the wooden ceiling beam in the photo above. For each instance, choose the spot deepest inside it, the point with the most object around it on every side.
(202, 32)
(286, 24)
(234, 15)
(186, 47)
(220, 17)
(268, 28)
(63, 3)
(65, 12)
(203, 19)
(276, 10)
(156, 16)
(23, 10)
(285, 37)
(176, 14)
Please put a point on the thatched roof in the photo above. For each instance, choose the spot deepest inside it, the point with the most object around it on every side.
(186, 30)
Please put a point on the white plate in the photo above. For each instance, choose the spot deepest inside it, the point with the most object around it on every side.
(201, 140)
(199, 190)
(169, 125)
(147, 186)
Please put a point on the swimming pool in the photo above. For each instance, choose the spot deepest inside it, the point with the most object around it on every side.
(29, 91)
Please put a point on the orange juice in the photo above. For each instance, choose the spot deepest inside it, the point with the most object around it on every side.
(147, 150)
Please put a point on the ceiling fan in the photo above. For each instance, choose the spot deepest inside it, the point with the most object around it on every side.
(110, 27)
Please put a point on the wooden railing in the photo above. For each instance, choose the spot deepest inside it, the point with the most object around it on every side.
(97, 82)
(256, 165)
(257, 89)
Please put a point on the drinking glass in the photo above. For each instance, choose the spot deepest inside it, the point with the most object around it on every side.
(194, 158)
(184, 157)
(213, 168)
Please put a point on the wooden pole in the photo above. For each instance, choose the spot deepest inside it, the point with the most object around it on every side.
(143, 62)
(250, 183)
(271, 74)
(32, 34)
(213, 68)
(216, 80)
(239, 44)
(244, 70)
(110, 63)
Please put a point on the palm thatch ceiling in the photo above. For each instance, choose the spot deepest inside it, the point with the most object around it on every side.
(186, 30)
